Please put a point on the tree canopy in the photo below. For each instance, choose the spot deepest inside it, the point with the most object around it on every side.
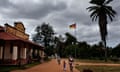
(44, 35)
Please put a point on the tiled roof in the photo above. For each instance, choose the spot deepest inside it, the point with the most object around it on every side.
(1, 28)
(8, 36)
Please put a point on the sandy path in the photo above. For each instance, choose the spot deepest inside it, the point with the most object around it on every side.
(51, 66)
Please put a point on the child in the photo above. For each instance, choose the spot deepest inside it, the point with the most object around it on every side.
(64, 66)
(58, 59)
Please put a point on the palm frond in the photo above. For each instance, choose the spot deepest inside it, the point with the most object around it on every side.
(110, 17)
(94, 18)
(94, 10)
(97, 2)
(108, 1)
(110, 12)
(94, 15)
(91, 8)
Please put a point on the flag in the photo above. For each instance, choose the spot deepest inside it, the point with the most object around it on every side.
(72, 26)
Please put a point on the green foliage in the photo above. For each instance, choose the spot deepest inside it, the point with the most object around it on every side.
(83, 50)
(70, 39)
(116, 51)
(49, 50)
(46, 59)
(44, 35)
(70, 50)
(10, 68)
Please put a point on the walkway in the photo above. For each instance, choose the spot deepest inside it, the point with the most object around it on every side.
(51, 66)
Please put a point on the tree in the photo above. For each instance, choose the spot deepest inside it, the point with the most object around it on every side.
(70, 39)
(47, 32)
(44, 35)
(60, 46)
(116, 51)
(97, 51)
(83, 50)
(101, 11)
(37, 37)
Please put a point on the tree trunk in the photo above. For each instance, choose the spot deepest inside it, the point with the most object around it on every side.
(106, 51)
(103, 31)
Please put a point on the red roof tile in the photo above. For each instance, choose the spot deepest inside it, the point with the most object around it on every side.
(8, 36)
(1, 28)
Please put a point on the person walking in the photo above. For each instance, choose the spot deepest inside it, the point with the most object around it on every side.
(58, 60)
(64, 66)
(71, 63)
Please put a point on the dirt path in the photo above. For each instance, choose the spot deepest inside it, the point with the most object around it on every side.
(51, 66)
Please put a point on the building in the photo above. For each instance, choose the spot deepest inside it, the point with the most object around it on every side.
(15, 46)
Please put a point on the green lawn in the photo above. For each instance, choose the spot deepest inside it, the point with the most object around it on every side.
(99, 68)
(96, 61)
(9, 68)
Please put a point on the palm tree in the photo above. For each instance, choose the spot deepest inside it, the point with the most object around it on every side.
(101, 11)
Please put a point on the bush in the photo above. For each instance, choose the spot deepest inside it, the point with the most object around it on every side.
(87, 70)
(46, 58)
(114, 59)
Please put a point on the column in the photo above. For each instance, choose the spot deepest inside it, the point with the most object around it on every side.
(1, 52)
(31, 50)
(24, 55)
(15, 51)
(40, 53)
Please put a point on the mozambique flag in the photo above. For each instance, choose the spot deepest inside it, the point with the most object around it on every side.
(72, 26)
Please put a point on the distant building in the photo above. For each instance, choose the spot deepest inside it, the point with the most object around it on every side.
(15, 46)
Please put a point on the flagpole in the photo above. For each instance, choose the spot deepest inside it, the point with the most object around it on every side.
(76, 39)
(73, 26)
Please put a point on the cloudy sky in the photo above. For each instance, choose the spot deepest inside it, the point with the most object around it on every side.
(59, 14)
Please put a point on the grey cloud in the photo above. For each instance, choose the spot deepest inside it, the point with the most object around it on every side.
(77, 16)
(4, 3)
(114, 31)
(89, 33)
(60, 15)
(35, 12)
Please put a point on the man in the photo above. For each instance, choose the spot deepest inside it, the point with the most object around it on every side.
(71, 63)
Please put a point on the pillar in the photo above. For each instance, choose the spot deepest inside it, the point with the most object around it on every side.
(1, 52)
(15, 53)
(24, 53)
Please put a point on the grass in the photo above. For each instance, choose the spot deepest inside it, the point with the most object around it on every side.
(96, 61)
(99, 68)
(10, 68)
